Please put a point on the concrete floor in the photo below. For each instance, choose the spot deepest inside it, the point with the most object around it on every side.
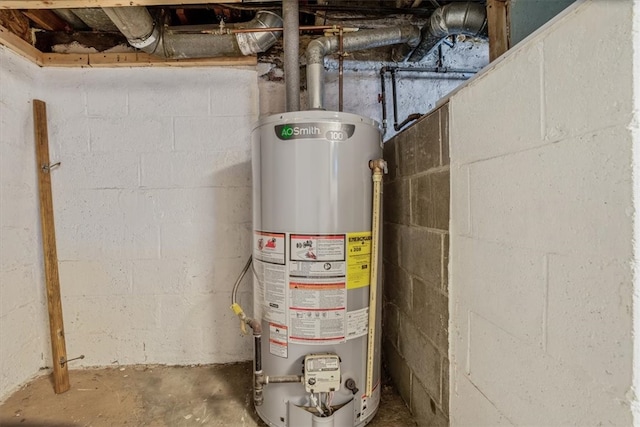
(218, 395)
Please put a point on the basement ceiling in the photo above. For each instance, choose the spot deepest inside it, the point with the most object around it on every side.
(71, 27)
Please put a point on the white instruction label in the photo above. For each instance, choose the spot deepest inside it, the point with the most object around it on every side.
(272, 290)
(317, 269)
(357, 323)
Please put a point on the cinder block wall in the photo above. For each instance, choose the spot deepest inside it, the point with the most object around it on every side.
(416, 241)
(544, 191)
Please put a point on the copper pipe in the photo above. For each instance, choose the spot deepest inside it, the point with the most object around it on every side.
(262, 30)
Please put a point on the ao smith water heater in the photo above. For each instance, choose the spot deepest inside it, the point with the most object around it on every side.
(316, 324)
(315, 250)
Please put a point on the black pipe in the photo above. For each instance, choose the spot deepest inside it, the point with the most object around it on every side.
(382, 98)
(395, 101)
(257, 370)
(257, 343)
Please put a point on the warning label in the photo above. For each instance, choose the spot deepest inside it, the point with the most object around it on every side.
(317, 312)
(278, 344)
(269, 247)
(317, 247)
(358, 259)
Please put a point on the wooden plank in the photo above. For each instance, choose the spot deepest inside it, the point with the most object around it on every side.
(63, 4)
(17, 23)
(56, 324)
(47, 20)
(65, 60)
(21, 47)
(498, 28)
(141, 59)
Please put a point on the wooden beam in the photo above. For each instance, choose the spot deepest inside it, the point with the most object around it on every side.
(137, 59)
(21, 47)
(65, 60)
(54, 301)
(63, 4)
(47, 20)
(17, 23)
(498, 28)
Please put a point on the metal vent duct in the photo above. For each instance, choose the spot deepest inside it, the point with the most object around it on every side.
(139, 27)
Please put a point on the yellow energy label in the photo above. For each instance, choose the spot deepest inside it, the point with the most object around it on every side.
(358, 259)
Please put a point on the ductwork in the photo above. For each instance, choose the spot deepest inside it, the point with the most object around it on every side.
(142, 32)
(365, 39)
(454, 18)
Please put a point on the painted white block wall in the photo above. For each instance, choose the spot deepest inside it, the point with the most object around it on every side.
(24, 334)
(635, 132)
(153, 210)
(542, 228)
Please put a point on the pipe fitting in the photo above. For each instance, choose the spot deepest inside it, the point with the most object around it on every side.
(360, 40)
(258, 385)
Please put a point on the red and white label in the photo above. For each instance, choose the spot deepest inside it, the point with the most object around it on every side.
(317, 312)
(313, 247)
(269, 247)
(278, 340)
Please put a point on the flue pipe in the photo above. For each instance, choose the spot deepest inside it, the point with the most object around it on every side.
(148, 35)
(454, 18)
(290, 15)
(360, 40)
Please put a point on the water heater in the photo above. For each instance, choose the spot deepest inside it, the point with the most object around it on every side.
(312, 241)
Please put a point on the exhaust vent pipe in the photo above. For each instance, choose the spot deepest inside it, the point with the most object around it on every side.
(469, 19)
(148, 35)
(365, 39)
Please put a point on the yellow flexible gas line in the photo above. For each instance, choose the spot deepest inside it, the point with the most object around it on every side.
(377, 167)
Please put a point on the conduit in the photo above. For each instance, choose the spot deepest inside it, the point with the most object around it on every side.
(365, 39)
(378, 167)
(148, 35)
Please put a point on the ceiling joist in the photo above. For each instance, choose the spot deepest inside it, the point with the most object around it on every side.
(64, 4)
(47, 20)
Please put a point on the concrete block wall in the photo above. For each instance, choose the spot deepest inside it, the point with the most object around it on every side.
(416, 240)
(153, 210)
(24, 332)
(542, 226)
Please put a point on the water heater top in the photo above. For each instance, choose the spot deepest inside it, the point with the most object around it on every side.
(316, 115)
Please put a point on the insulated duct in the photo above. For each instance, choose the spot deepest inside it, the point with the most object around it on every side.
(142, 32)
(365, 39)
(468, 18)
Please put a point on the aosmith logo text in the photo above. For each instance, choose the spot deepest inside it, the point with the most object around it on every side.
(289, 131)
(331, 131)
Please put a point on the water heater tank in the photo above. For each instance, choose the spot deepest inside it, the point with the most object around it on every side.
(312, 219)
